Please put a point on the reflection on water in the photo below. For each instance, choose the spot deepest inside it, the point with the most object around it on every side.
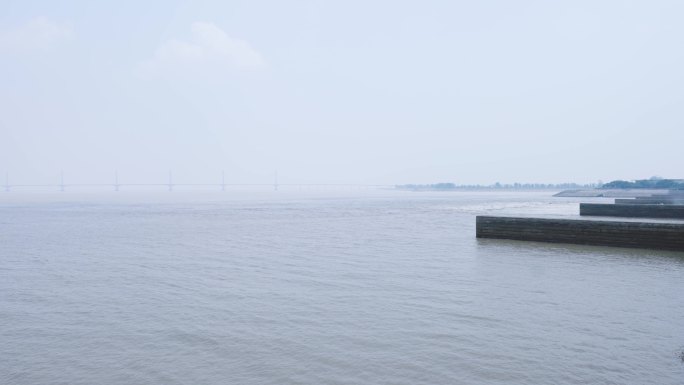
(384, 287)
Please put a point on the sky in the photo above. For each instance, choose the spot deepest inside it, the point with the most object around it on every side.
(385, 92)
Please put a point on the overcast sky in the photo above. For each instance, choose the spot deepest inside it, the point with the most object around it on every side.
(342, 91)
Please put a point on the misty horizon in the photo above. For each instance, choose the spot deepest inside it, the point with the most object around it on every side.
(116, 179)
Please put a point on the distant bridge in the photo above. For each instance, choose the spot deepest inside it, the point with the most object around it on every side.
(170, 185)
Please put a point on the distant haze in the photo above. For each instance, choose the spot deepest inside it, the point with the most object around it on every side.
(341, 91)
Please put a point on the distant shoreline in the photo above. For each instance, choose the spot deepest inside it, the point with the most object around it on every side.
(610, 193)
(494, 187)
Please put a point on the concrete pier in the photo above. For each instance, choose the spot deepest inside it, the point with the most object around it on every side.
(632, 210)
(648, 235)
(650, 201)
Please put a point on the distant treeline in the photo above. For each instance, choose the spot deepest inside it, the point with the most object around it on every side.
(654, 183)
(495, 186)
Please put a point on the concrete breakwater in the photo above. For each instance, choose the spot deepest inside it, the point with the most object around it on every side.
(649, 235)
(632, 210)
(650, 201)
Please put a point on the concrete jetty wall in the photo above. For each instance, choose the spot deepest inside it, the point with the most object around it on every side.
(660, 198)
(649, 235)
(634, 211)
(650, 201)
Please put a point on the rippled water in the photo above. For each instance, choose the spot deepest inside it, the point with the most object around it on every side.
(326, 288)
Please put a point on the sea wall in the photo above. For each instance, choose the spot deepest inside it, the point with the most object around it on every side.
(649, 235)
(650, 201)
(632, 210)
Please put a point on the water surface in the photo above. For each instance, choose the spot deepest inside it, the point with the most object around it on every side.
(356, 287)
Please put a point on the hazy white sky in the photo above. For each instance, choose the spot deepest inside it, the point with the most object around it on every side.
(342, 91)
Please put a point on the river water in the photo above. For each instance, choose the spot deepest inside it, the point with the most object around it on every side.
(355, 287)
